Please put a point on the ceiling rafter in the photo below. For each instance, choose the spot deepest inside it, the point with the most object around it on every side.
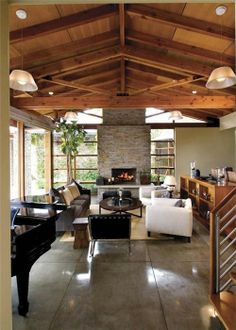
(168, 85)
(181, 21)
(91, 67)
(80, 61)
(89, 79)
(122, 44)
(180, 47)
(170, 63)
(69, 49)
(126, 102)
(78, 86)
(63, 23)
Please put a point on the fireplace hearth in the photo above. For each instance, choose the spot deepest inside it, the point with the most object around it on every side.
(124, 175)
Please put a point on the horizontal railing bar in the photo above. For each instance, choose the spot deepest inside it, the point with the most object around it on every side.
(227, 237)
(228, 223)
(227, 260)
(227, 214)
(228, 270)
(226, 248)
(225, 285)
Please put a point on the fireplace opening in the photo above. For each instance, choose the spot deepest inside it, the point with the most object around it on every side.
(124, 175)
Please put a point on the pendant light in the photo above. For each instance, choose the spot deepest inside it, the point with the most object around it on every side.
(70, 116)
(224, 76)
(22, 80)
(175, 115)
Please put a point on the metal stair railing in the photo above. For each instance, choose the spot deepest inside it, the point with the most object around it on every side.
(223, 243)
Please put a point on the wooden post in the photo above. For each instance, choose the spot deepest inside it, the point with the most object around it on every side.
(48, 160)
(21, 160)
(5, 255)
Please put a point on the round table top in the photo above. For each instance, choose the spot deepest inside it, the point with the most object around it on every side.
(124, 204)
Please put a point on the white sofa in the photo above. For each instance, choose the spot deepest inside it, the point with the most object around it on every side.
(164, 216)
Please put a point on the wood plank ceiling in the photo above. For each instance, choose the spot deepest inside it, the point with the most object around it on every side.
(123, 56)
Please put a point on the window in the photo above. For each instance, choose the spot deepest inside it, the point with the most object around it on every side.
(85, 163)
(14, 170)
(35, 161)
(162, 154)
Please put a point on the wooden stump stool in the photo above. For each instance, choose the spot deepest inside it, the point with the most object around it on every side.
(81, 233)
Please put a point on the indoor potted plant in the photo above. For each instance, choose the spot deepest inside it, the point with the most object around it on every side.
(71, 137)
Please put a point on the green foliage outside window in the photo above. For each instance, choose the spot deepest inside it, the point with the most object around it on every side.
(37, 139)
(71, 138)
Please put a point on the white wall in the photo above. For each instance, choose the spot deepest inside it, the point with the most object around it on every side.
(209, 147)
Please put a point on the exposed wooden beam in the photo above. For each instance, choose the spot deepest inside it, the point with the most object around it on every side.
(31, 117)
(122, 24)
(91, 79)
(122, 44)
(126, 102)
(180, 47)
(181, 21)
(170, 63)
(168, 85)
(84, 60)
(63, 23)
(122, 76)
(154, 72)
(69, 49)
(153, 75)
(91, 68)
(78, 86)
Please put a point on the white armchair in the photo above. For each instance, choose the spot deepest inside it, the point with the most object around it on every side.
(145, 194)
(164, 216)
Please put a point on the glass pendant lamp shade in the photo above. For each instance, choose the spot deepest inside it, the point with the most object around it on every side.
(175, 115)
(21, 80)
(221, 77)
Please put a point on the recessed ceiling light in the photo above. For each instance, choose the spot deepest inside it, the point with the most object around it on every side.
(50, 93)
(221, 10)
(194, 92)
(21, 14)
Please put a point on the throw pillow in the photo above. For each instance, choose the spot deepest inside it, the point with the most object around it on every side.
(57, 193)
(77, 185)
(74, 190)
(179, 203)
(67, 196)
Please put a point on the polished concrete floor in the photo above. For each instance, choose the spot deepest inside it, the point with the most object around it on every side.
(162, 285)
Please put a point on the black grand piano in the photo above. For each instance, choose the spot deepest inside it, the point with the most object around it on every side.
(33, 230)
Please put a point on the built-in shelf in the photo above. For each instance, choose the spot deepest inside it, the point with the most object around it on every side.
(204, 195)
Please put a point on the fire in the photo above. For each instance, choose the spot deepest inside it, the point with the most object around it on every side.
(125, 176)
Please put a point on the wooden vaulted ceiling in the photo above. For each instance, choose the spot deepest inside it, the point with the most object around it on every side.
(123, 56)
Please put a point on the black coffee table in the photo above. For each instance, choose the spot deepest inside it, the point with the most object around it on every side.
(123, 205)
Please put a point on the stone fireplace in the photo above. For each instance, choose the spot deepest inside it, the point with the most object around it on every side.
(124, 143)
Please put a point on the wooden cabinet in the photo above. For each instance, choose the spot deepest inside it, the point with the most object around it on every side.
(204, 195)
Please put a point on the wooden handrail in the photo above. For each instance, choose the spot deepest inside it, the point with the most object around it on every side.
(224, 201)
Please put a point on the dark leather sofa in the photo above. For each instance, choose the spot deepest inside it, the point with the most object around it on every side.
(77, 209)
